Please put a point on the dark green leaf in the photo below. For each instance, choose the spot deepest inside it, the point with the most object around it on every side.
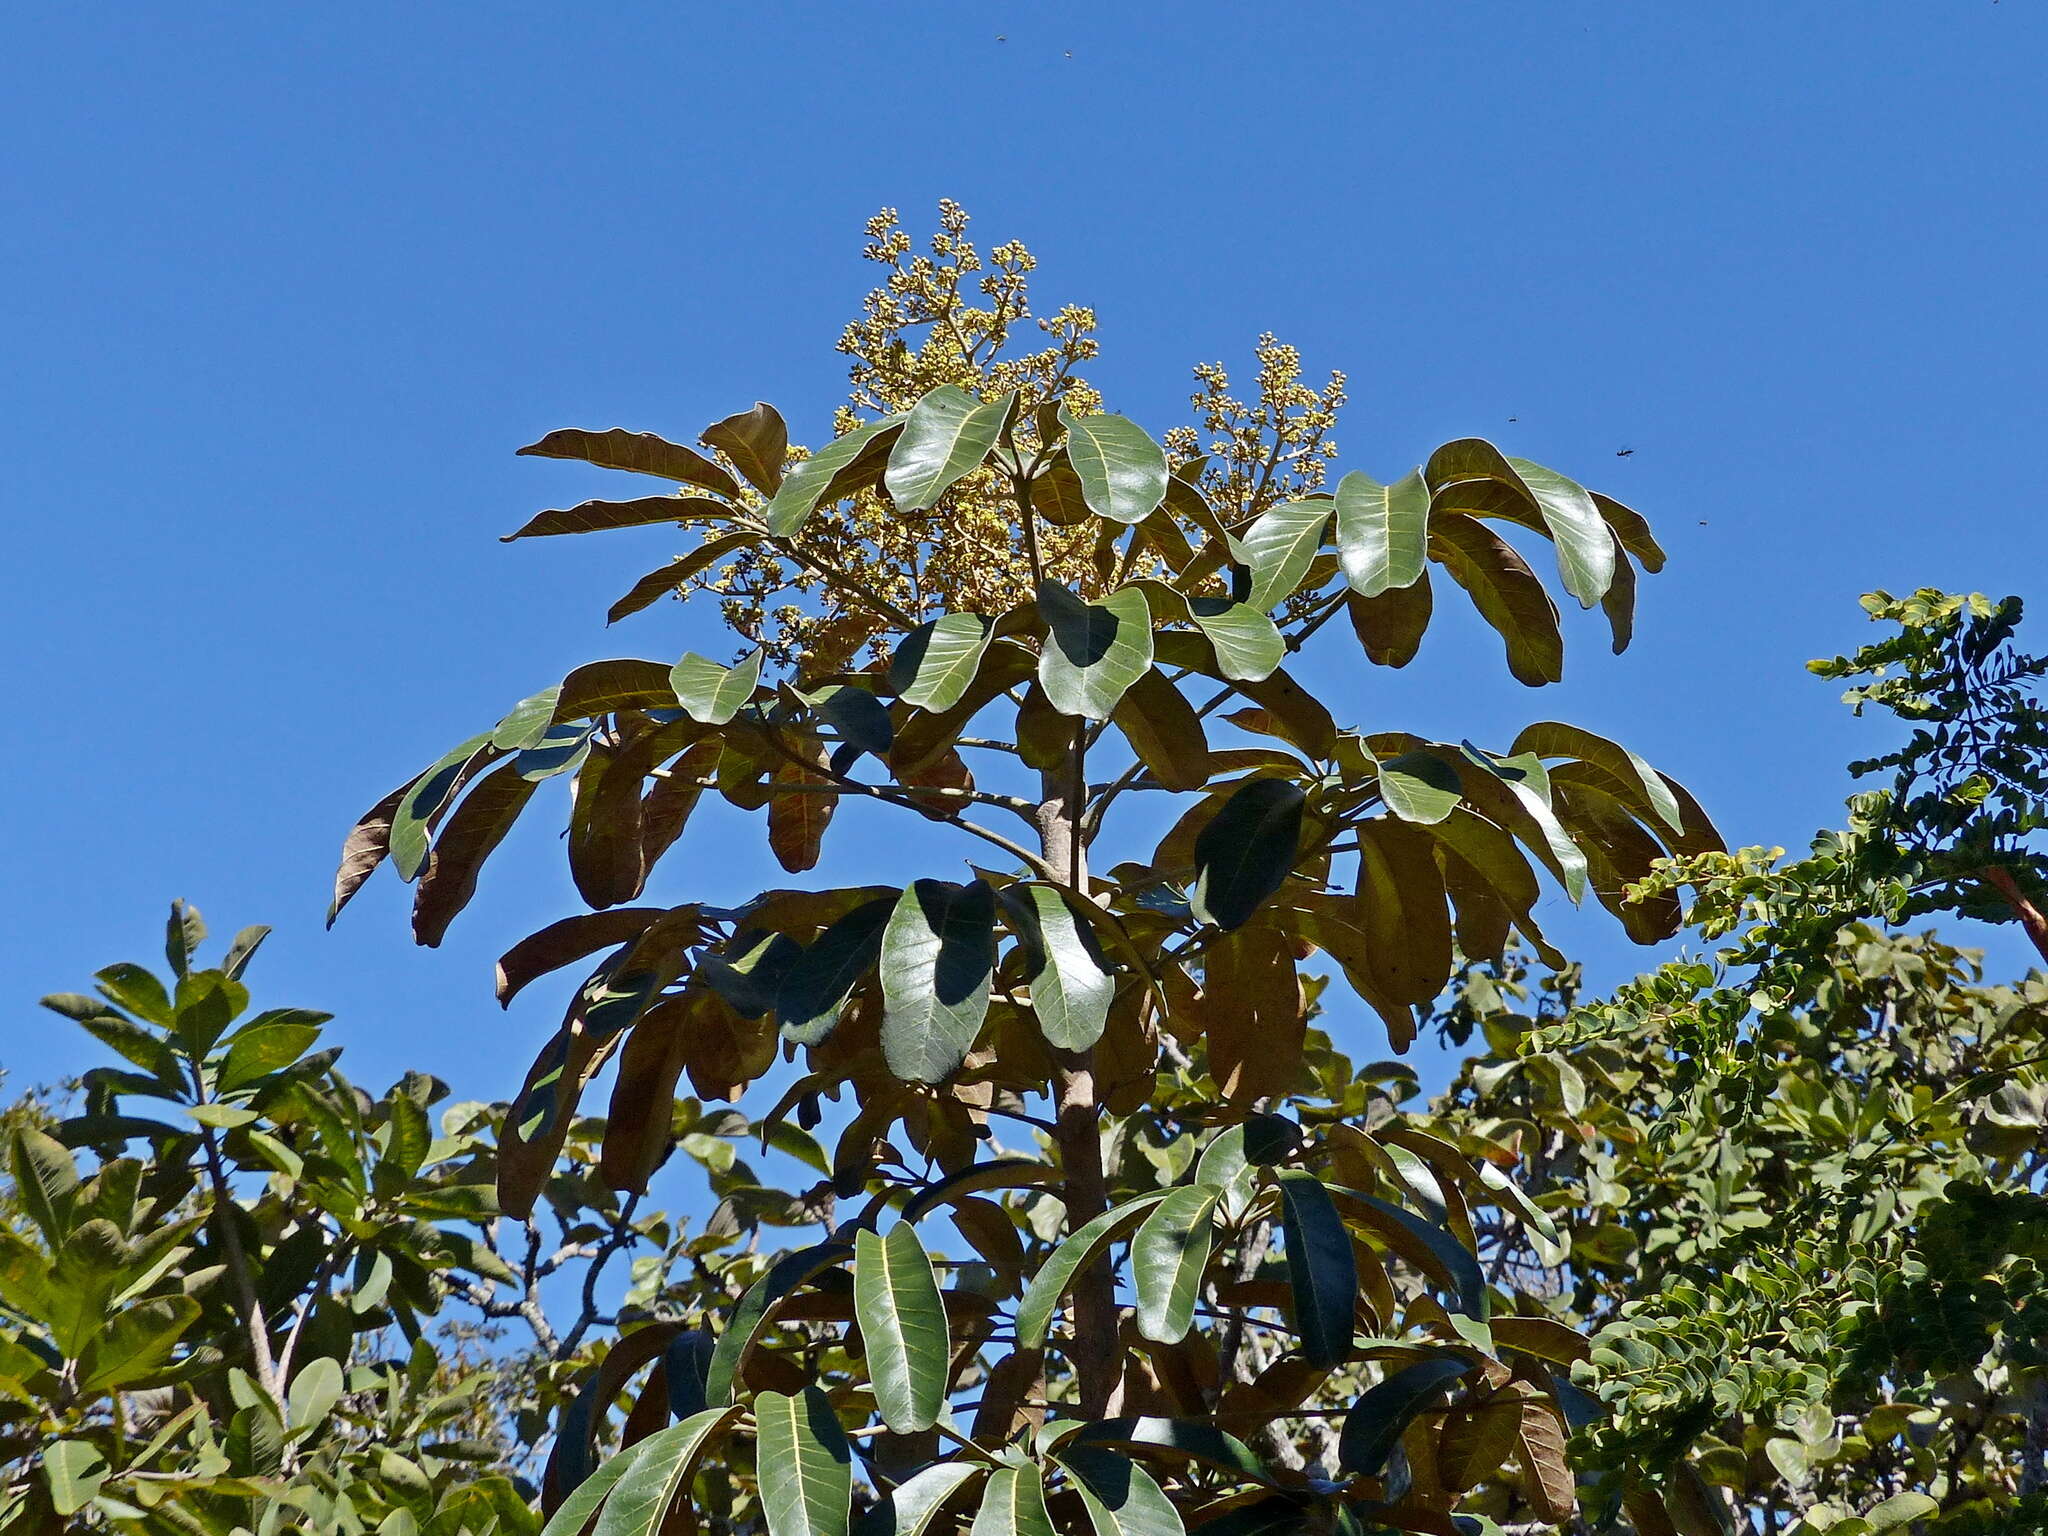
(909, 1508)
(1195, 1439)
(1373, 1427)
(424, 799)
(660, 1470)
(1246, 851)
(1322, 1274)
(1042, 1298)
(818, 982)
(755, 1309)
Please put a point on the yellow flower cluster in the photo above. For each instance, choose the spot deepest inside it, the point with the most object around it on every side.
(950, 315)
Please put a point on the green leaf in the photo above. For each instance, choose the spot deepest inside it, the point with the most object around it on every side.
(641, 452)
(263, 1048)
(1120, 1496)
(1013, 1504)
(1093, 652)
(935, 663)
(1382, 531)
(1279, 547)
(711, 694)
(207, 1002)
(423, 800)
(137, 990)
(527, 721)
(1042, 1297)
(805, 1465)
(1527, 781)
(756, 440)
(1122, 471)
(1249, 645)
(1552, 738)
(75, 1469)
(315, 1391)
(818, 982)
(1224, 1168)
(903, 1324)
(909, 1508)
(45, 1181)
(1168, 1257)
(1419, 787)
(1246, 851)
(809, 482)
(938, 955)
(135, 1342)
(1585, 549)
(660, 1467)
(1072, 986)
(947, 434)
(1322, 1273)
(575, 1511)
(752, 1314)
(1899, 1509)
(1373, 1427)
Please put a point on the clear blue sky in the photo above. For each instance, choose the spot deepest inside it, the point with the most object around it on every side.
(286, 285)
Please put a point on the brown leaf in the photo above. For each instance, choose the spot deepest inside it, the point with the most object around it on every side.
(666, 579)
(1506, 592)
(1251, 1010)
(1165, 732)
(477, 826)
(1391, 626)
(641, 452)
(797, 817)
(596, 516)
(1476, 1440)
(1296, 715)
(639, 1120)
(604, 844)
(665, 809)
(1543, 1337)
(600, 687)
(1548, 1480)
(1402, 910)
(947, 771)
(538, 1122)
(726, 1051)
(568, 941)
(756, 440)
(365, 847)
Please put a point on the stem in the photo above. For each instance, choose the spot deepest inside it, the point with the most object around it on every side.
(237, 1260)
(1096, 1355)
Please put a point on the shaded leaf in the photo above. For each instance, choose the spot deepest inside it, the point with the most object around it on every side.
(938, 955)
(1120, 1496)
(1374, 1425)
(1322, 1273)
(934, 664)
(756, 440)
(597, 516)
(1246, 851)
(1506, 593)
(641, 452)
(1093, 652)
(815, 988)
(1390, 627)
(478, 825)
